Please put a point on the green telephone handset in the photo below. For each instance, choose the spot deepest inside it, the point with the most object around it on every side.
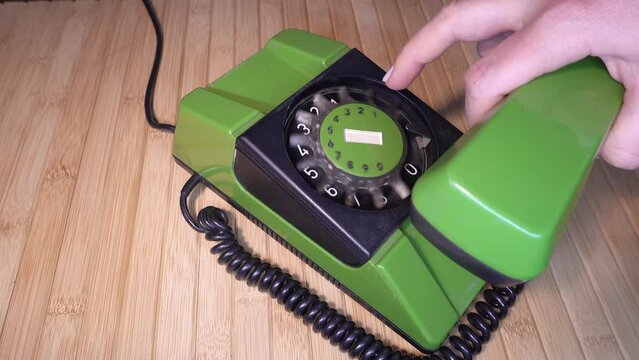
(496, 201)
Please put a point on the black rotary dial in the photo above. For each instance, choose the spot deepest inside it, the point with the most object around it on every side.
(357, 144)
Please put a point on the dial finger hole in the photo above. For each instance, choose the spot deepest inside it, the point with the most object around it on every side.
(321, 103)
(344, 95)
(365, 199)
(308, 162)
(422, 142)
(379, 199)
(301, 140)
(400, 188)
(308, 118)
(358, 198)
(351, 199)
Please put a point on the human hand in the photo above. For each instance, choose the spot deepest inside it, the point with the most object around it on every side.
(521, 40)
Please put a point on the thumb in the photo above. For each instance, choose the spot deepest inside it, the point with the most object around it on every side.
(621, 147)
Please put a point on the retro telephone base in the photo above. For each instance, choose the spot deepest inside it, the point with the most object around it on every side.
(306, 141)
(368, 186)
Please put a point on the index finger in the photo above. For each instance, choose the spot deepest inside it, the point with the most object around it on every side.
(458, 21)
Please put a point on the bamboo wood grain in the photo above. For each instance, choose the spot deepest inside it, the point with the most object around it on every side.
(39, 260)
(624, 185)
(550, 315)
(118, 209)
(607, 280)
(15, 41)
(584, 308)
(295, 14)
(167, 253)
(35, 67)
(15, 210)
(78, 261)
(344, 23)
(96, 260)
(617, 226)
(176, 324)
(16, 189)
(139, 313)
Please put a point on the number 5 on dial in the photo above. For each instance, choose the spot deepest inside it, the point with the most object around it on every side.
(313, 174)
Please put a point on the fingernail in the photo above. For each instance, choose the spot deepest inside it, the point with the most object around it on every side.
(388, 73)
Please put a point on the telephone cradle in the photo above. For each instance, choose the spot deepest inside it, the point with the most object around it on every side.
(305, 140)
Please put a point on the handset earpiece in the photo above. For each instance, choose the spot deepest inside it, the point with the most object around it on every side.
(498, 199)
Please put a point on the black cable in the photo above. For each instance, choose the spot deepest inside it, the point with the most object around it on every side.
(333, 326)
(150, 88)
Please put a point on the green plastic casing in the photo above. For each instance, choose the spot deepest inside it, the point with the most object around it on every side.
(410, 284)
(497, 200)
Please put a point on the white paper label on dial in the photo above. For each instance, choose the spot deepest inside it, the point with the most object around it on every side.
(363, 137)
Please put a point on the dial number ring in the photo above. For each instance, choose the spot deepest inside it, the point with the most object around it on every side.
(320, 124)
(362, 140)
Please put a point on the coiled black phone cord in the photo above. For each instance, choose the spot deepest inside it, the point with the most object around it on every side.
(324, 319)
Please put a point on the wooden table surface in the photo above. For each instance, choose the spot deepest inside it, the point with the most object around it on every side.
(95, 259)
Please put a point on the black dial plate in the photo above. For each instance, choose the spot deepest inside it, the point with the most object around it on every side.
(264, 167)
